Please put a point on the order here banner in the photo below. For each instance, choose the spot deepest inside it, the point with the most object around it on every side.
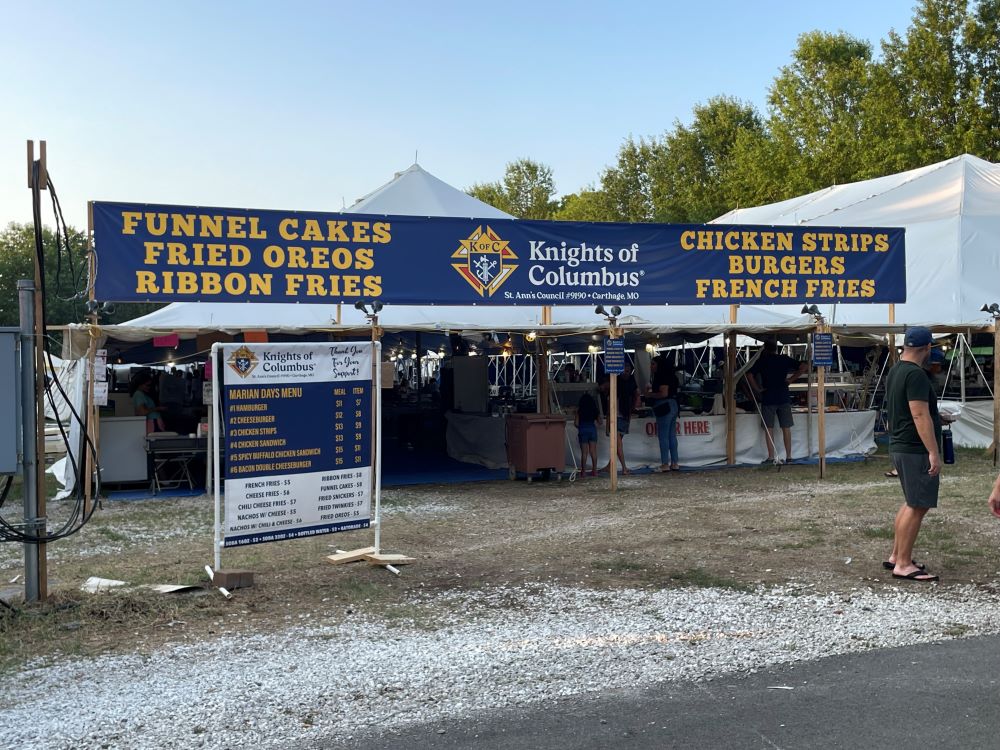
(157, 253)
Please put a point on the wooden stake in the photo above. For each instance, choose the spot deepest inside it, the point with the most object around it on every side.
(350, 556)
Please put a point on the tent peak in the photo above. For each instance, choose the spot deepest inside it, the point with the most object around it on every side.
(416, 192)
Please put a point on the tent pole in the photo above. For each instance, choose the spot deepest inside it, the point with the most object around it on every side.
(996, 391)
(542, 374)
(893, 354)
(420, 385)
(962, 343)
(821, 405)
(730, 391)
(809, 406)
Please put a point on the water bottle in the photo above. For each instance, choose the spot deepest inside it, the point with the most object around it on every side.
(949, 445)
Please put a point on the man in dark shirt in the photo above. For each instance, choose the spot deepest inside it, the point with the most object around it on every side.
(770, 377)
(915, 434)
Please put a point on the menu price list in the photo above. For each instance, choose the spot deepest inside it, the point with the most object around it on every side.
(297, 429)
(270, 509)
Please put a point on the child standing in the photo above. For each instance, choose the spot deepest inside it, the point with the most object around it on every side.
(586, 421)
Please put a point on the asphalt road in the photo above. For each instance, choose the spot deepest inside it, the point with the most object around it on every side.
(929, 696)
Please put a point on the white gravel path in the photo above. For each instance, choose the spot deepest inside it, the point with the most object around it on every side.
(494, 648)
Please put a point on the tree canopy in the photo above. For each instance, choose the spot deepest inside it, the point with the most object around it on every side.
(65, 276)
(837, 113)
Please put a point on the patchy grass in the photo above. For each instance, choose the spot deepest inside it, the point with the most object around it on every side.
(700, 578)
(733, 529)
(878, 532)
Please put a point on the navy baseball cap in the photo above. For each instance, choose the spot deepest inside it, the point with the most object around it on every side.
(918, 336)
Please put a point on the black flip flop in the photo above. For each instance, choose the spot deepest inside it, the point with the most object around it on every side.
(889, 566)
(892, 475)
(913, 576)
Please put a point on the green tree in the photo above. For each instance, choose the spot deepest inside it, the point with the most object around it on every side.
(982, 44)
(527, 191)
(928, 99)
(590, 204)
(756, 171)
(692, 179)
(65, 277)
(816, 112)
(628, 184)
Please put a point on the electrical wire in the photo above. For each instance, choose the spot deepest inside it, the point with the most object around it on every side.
(77, 517)
(63, 242)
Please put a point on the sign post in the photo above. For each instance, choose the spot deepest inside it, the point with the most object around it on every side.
(822, 351)
(295, 422)
(614, 365)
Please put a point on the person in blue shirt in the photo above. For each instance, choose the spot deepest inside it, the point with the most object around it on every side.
(770, 377)
(144, 404)
(663, 398)
(586, 421)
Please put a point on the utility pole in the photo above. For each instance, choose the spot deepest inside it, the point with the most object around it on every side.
(36, 586)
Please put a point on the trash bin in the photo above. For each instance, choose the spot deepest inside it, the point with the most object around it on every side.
(536, 442)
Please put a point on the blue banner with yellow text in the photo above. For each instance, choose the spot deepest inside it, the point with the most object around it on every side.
(155, 253)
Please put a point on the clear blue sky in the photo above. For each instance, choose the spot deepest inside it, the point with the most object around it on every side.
(310, 105)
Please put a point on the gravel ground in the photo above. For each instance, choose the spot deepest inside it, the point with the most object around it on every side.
(493, 648)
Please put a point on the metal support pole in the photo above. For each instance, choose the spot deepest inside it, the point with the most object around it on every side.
(214, 439)
(35, 569)
(962, 343)
(376, 413)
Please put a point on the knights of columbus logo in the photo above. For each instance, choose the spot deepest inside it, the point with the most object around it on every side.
(243, 361)
(484, 261)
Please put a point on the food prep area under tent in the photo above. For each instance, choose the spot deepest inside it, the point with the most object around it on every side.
(950, 210)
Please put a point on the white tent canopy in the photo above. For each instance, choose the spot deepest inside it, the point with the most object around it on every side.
(951, 213)
(416, 192)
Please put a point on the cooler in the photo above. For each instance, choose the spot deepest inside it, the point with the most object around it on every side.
(536, 442)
